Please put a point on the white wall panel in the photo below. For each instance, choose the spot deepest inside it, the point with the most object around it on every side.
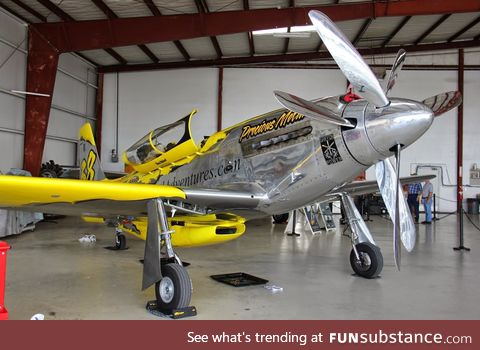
(12, 29)
(59, 151)
(12, 74)
(70, 93)
(14, 157)
(11, 108)
(249, 92)
(62, 124)
(151, 99)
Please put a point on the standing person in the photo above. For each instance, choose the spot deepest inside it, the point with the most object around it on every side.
(427, 194)
(413, 200)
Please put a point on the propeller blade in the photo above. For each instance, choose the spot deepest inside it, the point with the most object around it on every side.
(387, 182)
(396, 223)
(396, 68)
(309, 109)
(443, 102)
(349, 60)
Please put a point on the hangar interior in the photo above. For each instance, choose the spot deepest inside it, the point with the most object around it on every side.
(228, 73)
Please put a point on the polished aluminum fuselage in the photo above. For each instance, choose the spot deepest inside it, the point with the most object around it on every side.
(313, 159)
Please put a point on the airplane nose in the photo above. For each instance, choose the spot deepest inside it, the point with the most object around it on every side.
(402, 122)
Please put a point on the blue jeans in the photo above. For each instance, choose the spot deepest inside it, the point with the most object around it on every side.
(414, 205)
(428, 209)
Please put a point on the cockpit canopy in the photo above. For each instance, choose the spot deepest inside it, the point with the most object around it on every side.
(163, 145)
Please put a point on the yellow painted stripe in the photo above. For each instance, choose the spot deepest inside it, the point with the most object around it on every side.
(20, 190)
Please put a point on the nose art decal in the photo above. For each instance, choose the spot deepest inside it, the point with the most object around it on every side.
(330, 150)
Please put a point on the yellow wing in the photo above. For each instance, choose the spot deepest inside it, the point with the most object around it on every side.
(80, 197)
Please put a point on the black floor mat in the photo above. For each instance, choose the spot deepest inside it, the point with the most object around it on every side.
(239, 279)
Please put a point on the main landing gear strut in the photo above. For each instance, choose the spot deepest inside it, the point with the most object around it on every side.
(162, 267)
(366, 258)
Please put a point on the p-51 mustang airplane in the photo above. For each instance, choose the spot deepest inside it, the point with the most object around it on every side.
(181, 194)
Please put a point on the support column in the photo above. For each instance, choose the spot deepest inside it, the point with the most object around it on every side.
(460, 133)
(219, 99)
(99, 113)
(42, 62)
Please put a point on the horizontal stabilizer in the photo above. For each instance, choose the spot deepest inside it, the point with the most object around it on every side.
(309, 109)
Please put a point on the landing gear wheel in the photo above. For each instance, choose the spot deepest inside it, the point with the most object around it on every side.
(174, 290)
(120, 242)
(371, 260)
(280, 218)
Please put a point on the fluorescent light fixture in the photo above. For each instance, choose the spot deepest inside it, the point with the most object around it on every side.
(309, 28)
(295, 32)
(30, 93)
(293, 35)
(269, 31)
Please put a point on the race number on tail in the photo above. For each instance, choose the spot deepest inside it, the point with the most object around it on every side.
(88, 157)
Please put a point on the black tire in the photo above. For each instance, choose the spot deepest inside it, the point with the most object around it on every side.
(280, 218)
(120, 242)
(371, 260)
(176, 276)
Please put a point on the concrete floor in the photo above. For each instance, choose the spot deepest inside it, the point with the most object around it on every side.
(50, 272)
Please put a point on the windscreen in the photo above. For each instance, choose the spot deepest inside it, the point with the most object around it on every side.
(156, 142)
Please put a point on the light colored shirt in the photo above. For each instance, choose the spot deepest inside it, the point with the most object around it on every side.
(427, 189)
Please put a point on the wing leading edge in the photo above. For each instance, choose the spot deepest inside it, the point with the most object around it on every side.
(107, 198)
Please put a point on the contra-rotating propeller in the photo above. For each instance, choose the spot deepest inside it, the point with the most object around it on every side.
(359, 74)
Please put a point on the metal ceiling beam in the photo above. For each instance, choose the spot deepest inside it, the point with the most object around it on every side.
(290, 57)
(30, 10)
(291, 3)
(112, 15)
(156, 12)
(362, 31)
(396, 30)
(87, 59)
(302, 65)
(105, 9)
(432, 28)
(116, 55)
(98, 34)
(69, 19)
(44, 19)
(152, 7)
(57, 10)
(13, 12)
(465, 29)
(251, 43)
(202, 8)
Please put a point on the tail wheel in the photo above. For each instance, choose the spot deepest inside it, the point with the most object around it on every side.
(174, 290)
(370, 262)
(120, 242)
